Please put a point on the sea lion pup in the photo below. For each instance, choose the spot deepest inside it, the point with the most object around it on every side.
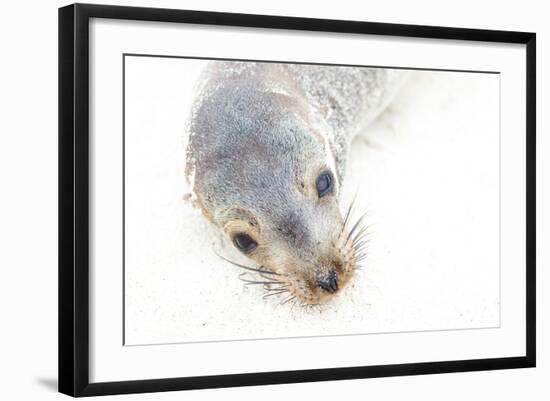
(266, 160)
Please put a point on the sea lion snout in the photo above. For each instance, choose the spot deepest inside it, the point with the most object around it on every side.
(316, 270)
(329, 282)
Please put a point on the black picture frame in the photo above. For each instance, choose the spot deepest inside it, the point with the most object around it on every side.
(74, 197)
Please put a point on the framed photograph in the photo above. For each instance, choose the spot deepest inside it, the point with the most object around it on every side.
(250, 199)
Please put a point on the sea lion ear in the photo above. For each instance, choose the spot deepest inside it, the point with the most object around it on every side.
(189, 197)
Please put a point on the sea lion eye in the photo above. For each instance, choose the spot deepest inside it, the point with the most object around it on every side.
(324, 183)
(244, 242)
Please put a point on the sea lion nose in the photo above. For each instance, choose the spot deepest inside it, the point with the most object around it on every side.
(329, 283)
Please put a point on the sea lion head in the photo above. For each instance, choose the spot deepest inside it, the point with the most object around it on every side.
(264, 173)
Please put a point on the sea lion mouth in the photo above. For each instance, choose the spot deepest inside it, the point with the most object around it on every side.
(326, 282)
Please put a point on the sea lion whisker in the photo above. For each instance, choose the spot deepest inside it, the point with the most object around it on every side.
(365, 230)
(247, 267)
(359, 253)
(281, 286)
(288, 299)
(348, 214)
(274, 293)
(356, 225)
(293, 304)
(362, 229)
(360, 242)
(362, 233)
(268, 277)
(250, 282)
(363, 239)
(275, 289)
(268, 280)
(361, 247)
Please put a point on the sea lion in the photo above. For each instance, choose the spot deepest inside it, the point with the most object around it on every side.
(266, 157)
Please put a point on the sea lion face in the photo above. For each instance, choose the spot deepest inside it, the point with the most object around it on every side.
(301, 238)
(265, 175)
(291, 225)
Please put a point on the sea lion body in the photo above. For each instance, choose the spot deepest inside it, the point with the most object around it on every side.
(266, 156)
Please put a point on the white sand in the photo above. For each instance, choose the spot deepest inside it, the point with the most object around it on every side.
(427, 171)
